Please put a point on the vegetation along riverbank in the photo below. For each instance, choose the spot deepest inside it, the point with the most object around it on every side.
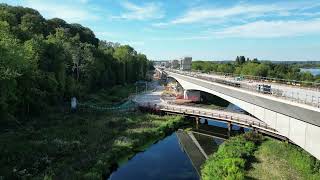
(79, 146)
(280, 160)
(253, 156)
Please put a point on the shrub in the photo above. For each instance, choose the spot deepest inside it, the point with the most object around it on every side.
(230, 160)
(253, 137)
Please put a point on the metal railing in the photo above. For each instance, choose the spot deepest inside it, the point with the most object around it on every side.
(224, 116)
(299, 96)
(296, 83)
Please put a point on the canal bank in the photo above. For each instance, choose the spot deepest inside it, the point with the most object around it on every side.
(254, 156)
(275, 159)
(242, 156)
(79, 146)
(178, 156)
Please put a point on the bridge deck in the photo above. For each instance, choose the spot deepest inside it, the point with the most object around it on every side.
(240, 119)
(253, 101)
(308, 96)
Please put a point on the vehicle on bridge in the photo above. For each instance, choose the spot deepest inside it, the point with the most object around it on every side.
(239, 78)
(263, 88)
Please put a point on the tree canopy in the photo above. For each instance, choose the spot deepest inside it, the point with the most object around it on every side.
(254, 67)
(45, 62)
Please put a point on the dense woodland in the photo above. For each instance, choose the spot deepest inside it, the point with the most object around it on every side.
(45, 62)
(254, 67)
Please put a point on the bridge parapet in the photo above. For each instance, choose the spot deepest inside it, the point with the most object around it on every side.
(239, 119)
(298, 95)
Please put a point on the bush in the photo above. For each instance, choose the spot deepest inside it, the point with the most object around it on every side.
(253, 137)
(230, 161)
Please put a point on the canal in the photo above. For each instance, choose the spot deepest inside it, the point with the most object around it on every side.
(179, 155)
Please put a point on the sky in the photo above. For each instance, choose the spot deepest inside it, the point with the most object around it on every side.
(204, 29)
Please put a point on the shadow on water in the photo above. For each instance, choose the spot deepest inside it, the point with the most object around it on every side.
(178, 156)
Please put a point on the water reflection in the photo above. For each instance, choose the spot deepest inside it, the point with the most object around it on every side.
(178, 156)
(163, 160)
(208, 143)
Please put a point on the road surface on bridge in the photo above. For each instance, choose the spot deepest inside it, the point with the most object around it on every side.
(304, 95)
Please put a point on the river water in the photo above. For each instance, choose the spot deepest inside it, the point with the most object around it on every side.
(313, 71)
(169, 159)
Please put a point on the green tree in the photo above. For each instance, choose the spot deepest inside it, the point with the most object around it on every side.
(43, 62)
(33, 24)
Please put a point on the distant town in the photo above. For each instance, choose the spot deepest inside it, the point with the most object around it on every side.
(182, 64)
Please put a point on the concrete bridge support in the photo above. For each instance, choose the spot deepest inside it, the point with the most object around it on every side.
(299, 123)
(192, 95)
(197, 122)
(229, 126)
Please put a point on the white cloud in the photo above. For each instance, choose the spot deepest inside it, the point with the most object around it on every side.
(271, 29)
(257, 29)
(69, 12)
(241, 11)
(143, 12)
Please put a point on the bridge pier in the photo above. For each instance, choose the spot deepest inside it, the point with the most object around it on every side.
(185, 95)
(229, 129)
(255, 130)
(191, 95)
(229, 126)
(197, 122)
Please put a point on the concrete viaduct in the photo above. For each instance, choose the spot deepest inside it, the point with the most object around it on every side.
(299, 122)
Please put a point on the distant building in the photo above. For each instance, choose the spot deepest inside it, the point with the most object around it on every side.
(175, 64)
(163, 63)
(167, 64)
(185, 63)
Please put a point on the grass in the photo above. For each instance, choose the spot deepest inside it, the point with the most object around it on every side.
(249, 156)
(231, 159)
(280, 160)
(81, 145)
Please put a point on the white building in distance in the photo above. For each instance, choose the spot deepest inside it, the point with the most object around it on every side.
(185, 63)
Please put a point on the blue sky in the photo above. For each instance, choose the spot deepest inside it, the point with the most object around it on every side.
(203, 29)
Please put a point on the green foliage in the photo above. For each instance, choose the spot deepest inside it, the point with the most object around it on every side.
(212, 66)
(230, 160)
(296, 157)
(240, 60)
(45, 62)
(256, 68)
(79, 146)
(276, 159)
